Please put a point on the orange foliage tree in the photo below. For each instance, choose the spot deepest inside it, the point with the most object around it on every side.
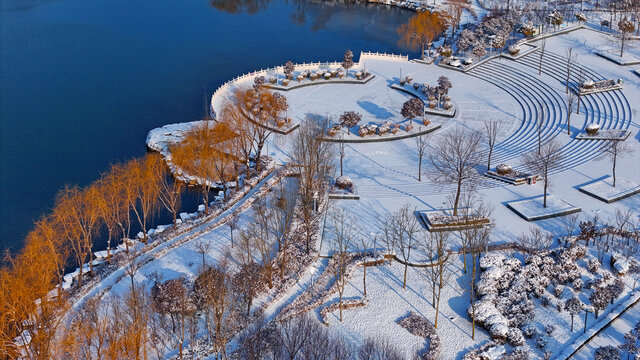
(78, 216)
(204, 154)
(421, 30)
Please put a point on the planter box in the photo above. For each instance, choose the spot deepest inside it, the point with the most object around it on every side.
(603, 190)
(443, 220)
(513, 178)
(532, 209)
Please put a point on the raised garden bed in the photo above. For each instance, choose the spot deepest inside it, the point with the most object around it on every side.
(525, 49)
(616, 134)
(443, 220)
(418, 129)
(343, 189)
(437, 111)
(294, 84)
(513, 178)
(591, 87)
(532, 209)
(614, 55)
(603, 190)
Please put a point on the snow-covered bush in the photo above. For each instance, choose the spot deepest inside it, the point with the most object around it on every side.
(593, 265)
(273, 80)
(514, 49)
(344, 182)
(515, 337)
(408, 127)
(447, 105)
(549, 329)
(530, 331)
(581, 17)
(577, 284)
(592, 128)
(420, 326)
(416, 86)
(300, 78)
(503, 169)
(433, 104)
(558, 290)
(385, 127)
(607, 353)
(541, 341)
(446, 98)
(313, 76)
(285, 82)
(327, 76)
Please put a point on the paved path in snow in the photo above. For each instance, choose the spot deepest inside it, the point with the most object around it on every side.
(612, 334)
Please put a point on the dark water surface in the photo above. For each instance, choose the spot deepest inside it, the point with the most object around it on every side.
(83, 81)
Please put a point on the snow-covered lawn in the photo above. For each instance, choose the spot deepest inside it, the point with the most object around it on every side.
(605, 191)
(386, 176)
(534, 209)
(388, 302)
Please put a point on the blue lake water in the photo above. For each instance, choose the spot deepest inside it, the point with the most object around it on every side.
(83, 81)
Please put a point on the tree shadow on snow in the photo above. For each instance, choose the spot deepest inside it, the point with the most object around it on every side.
(375, 110)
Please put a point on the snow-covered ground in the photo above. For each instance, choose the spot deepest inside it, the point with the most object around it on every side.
(385, 174)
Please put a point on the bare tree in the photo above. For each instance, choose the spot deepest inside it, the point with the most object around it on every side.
(367, 245)
(571, 103)
(491, 132)
(543, 44)
(475, 240)
(435, 246)
(625, 29)
(535, 241)
(233, 223)
(540, 164)
(615, 148)
(401, 229)
(213, 296)
(569, 223)
(454, 160)
(314, 159)
(203, 247)
(571, 61)
(421, 147)
(344, 232)
(341, 152)
(281, 212)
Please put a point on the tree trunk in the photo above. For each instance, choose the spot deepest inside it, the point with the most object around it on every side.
(341, 164)
(455, 204)
(572, 323)
(569, 123)
(614, 167)
(489, 158)
(420, 168)
(364, 280)
(404, 282)
(585, 321)
(545, 190)
(340, 305)
(438, 305)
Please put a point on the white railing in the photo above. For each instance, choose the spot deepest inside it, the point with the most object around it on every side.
(218, 96)
(385, 56)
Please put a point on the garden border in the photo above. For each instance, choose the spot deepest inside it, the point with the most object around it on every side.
(382, 138)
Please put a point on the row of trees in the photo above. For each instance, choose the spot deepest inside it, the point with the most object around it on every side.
(129, 195)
